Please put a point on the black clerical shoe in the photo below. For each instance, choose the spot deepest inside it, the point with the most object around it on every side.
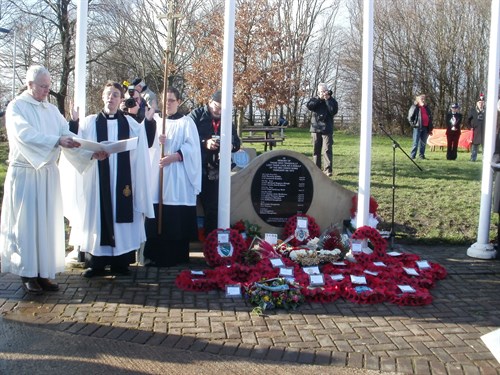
(30, 284)
(91, 272)
(124, 271)
(47, 285)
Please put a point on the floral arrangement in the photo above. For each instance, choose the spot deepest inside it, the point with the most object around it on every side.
(372, 208)
(211, 249)
(399, 278)
(368, 233)
(308, 257)
(274, 293)
(247, 230)
(291, 226)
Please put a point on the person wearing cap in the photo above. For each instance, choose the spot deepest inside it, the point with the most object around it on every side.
(420, 119)
(207, 120)
(453, 122)
(148, 95)
(475, 121)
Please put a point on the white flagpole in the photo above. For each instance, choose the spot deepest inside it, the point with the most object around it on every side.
(226, 117)
(482, 249)
(81, 58)
(366, 118)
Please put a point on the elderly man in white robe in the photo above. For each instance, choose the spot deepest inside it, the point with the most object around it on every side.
(32, 235)
(115, 197)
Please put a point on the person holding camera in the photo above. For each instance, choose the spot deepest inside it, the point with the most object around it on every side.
(475, 121)
(324, 107)
(420, 119)
(207, 120)
(146, 93)
(134, 105)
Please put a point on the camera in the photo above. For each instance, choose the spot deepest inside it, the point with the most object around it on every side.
(130, 102)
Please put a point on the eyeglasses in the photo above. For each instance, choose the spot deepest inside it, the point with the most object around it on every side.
(45, 87)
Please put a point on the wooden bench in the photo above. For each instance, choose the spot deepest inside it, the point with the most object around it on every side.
(263, 134)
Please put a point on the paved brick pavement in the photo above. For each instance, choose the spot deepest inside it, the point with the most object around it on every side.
(147, 309)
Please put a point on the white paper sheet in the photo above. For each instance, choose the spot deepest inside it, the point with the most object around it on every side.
(111, 147)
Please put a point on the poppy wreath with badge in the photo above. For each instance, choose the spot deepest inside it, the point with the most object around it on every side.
(291, 227)
(216, 255)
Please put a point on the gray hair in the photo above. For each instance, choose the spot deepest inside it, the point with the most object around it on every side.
(34, 72)
(324, 85)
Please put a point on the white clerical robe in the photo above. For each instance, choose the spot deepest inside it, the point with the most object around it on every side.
(86, 205)
(181, 180)
(32, 235)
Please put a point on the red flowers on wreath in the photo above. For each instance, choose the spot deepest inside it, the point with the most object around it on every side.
(372, 234)
(214, 256)
(291, 226)
(373, 206)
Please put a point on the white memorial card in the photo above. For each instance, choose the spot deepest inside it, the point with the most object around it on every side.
(373, 273)
(411, 271)
(271, 238)
(379, 264)
(233, 291)
(312, 270)
(316, 280)
(337, 277)
(358, 279)
(276, 262)
(406, 289)
(423, 264)
(356, 246)
(197, 273)
(286, 271)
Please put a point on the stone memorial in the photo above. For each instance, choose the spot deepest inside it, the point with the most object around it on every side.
(281, 183)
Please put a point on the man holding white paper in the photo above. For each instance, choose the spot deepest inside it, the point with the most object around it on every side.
(115, 196)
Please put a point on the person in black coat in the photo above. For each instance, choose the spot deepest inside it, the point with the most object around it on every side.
(324, 107)
(475, 121)
(207, 120)
(453, 123)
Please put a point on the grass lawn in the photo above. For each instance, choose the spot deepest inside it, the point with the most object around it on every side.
(437, 205)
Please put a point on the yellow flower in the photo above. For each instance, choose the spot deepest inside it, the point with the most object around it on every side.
(266, 298)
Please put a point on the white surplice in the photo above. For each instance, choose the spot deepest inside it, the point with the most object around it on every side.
(86, 205)
(181, 181)
(32, 235)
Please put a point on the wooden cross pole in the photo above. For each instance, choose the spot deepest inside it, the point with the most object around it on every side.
(168, 59)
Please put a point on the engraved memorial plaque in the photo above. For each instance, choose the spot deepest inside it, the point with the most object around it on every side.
(281, 188)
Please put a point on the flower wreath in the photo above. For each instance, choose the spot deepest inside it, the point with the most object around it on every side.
(369, 233)
(291, 226)
(274, 293)
(372, 207)
(211, 248)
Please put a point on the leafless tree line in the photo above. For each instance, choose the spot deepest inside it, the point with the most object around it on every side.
(283, 49)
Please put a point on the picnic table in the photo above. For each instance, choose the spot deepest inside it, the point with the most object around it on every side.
(268, 135)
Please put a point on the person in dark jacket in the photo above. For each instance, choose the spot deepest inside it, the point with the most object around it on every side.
(475, 121)
(420, 119)
(207, 120)
(453, 122)
(324, 107)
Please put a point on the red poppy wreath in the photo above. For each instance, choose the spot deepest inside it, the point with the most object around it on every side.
(291, 227)
(217, 255)
(369, 233)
